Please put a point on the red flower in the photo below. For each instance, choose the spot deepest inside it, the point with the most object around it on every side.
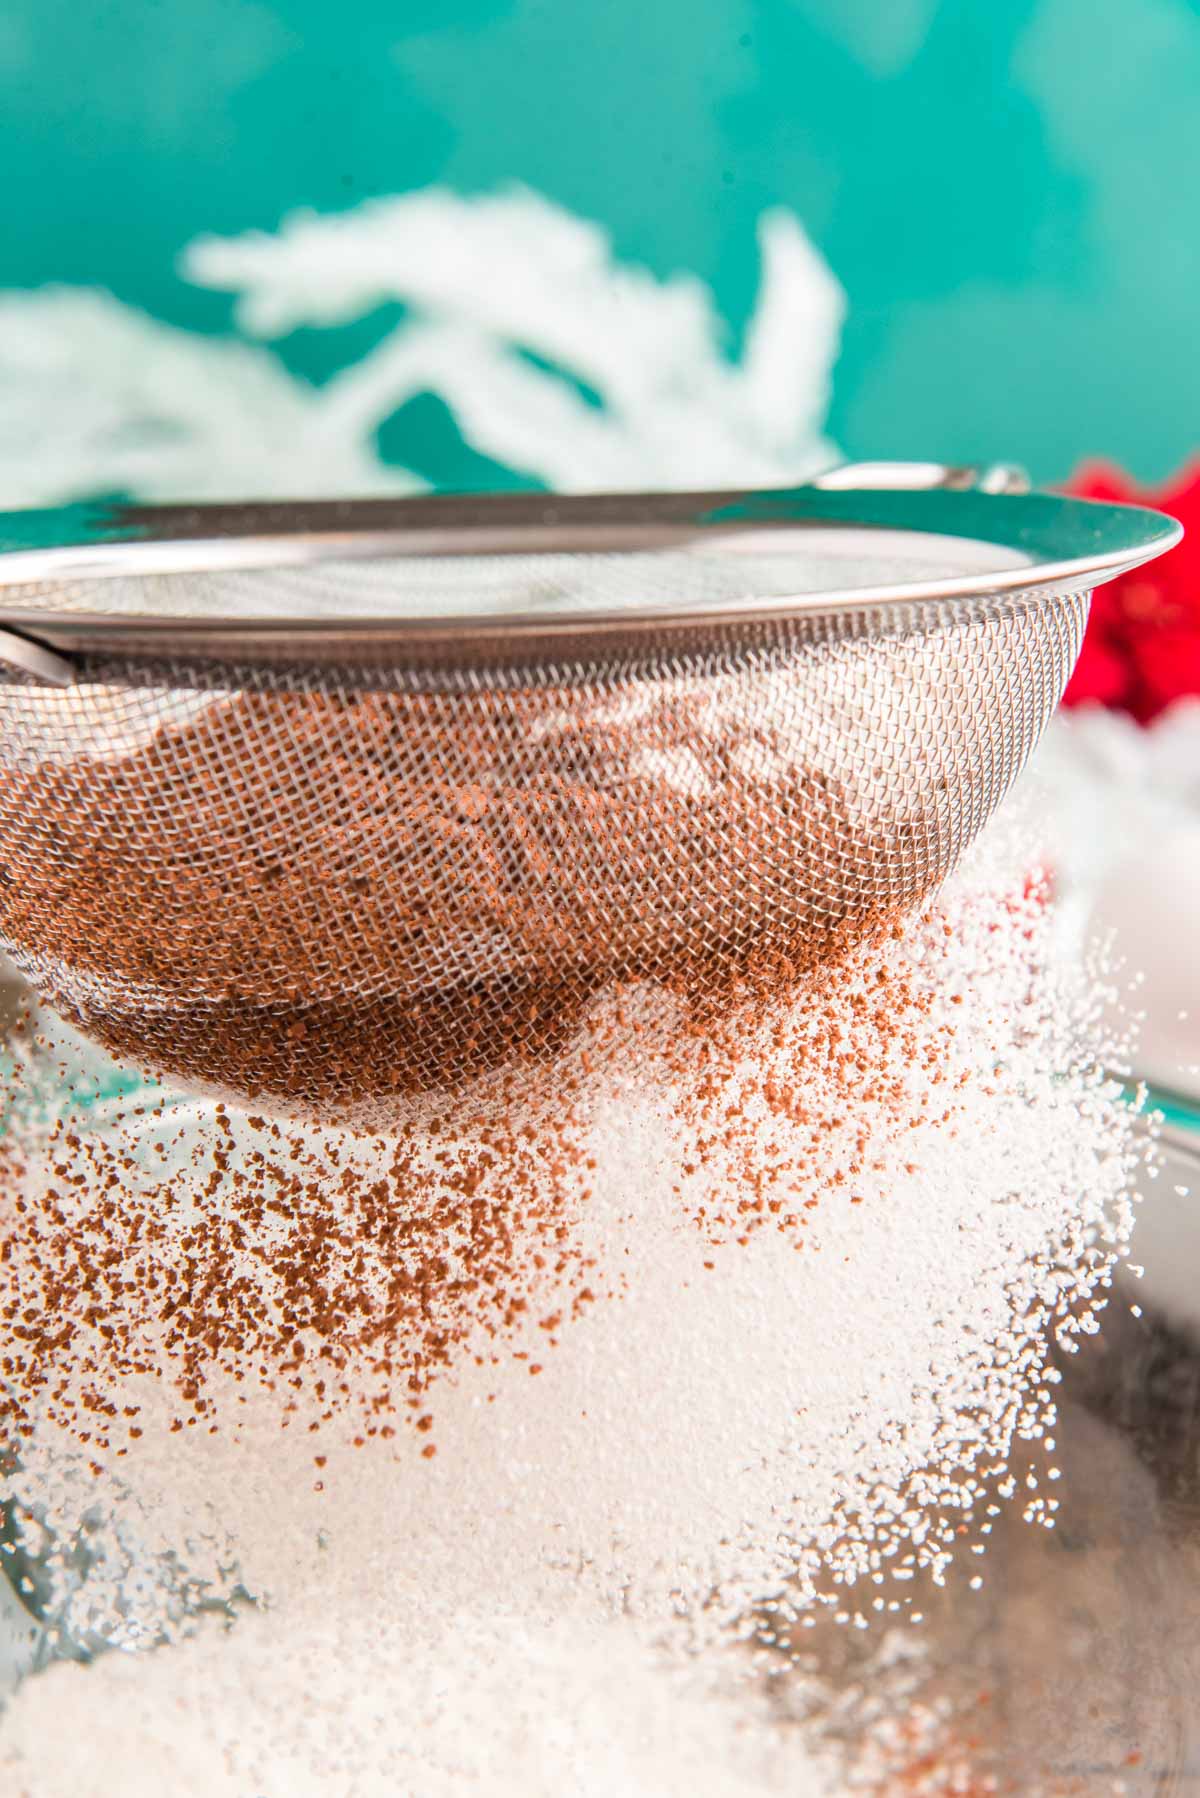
(1142, 648)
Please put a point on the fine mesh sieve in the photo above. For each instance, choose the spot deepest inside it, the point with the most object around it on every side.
(331, 804)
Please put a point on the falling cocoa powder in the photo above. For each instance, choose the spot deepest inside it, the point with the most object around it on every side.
(348, 1268)
(357, 1269)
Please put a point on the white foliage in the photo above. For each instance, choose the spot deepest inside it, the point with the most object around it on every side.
(486, 278)
(95, 395)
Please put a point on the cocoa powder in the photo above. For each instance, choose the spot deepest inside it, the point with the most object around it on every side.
(343, 1270)
(335, 899)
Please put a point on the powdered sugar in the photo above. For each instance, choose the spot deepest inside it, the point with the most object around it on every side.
(819, 1384)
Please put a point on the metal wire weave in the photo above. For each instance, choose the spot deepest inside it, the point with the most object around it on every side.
(330, 885)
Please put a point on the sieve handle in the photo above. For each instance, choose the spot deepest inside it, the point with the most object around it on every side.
(28, 656)
(919, 477)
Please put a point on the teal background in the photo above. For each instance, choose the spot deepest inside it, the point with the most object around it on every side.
(1009, 190)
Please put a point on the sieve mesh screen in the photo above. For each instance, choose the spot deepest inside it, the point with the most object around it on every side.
(334, 887)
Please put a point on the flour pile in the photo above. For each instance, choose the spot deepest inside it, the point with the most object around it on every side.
(516, 1469)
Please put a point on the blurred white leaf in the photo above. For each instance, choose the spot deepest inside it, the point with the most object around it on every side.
(555, 361)
(97, 397)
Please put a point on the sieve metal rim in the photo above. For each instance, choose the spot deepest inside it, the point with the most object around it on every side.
(1058, 544)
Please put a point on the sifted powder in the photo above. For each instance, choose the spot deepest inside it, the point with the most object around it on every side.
(750, 1317)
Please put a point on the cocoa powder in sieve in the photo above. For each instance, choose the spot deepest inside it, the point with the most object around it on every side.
(332, 899)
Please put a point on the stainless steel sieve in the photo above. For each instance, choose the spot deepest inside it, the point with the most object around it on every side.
(329, 803)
